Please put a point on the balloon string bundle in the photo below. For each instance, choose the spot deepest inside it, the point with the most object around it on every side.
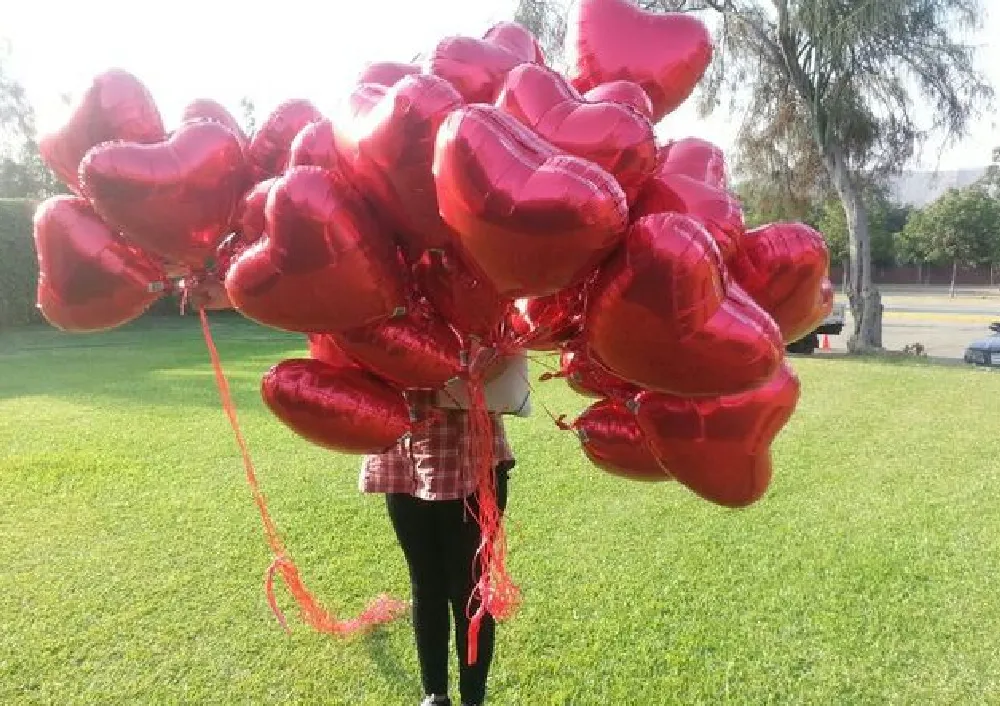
(383, 609)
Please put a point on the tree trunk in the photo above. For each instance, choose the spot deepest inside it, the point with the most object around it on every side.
(844, 265)
(863, 295)
(954, 276)
(920, 273)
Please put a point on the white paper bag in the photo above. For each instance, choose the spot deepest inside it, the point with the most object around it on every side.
(507, 394)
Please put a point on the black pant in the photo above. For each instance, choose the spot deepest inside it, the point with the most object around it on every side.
(439, 540)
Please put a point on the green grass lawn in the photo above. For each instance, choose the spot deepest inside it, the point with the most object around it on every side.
(132, 556)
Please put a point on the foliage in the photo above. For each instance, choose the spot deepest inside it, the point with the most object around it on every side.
(133, 556)
(886, 221)
(18, 264)
(962, 228)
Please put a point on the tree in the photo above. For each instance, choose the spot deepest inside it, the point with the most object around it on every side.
(22, 172)
(828, 89)
(962, 228)
(249, 109)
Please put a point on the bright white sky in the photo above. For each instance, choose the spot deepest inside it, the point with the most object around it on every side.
(186, 49)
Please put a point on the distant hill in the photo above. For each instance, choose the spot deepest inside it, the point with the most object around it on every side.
(919, 188)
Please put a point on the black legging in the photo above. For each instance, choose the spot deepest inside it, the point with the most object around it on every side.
(439, 540)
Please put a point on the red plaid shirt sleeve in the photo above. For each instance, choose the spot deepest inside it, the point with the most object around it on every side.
(435, 462)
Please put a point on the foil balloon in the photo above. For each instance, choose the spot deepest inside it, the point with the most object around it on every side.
(784, 266)
(589, 379)
(664, 315)
(626, 92)
(611, 40)
(316, 146)
(386, 73)
(716, 209)
(610, 134)
(544, 323)
(324, 347)
(89, 279)
(116, 106)
(250, 221)
(231, 246)
(720, 447)
(477, 67)
(464, 297)
(612, 440)
(694, 158)
(388, 150)
(208, 109)
(323, 264)
(414, 351)
(269, 148)
(342, 409)
(534, 219)
(175, 199)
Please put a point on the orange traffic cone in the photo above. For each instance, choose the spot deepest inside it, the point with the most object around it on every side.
(826, 342)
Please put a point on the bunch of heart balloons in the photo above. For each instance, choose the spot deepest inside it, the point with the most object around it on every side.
(478, 201)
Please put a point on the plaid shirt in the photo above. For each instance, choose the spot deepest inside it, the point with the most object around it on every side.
(433, 463)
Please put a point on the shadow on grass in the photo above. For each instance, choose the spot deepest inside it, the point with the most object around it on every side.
(388, 663)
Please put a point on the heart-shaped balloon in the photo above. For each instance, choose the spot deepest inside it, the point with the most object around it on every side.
(611, 40)
(695, 158)
(116, 106)
(610, 134)
(208, 109)
(545, 323)
(388, 150)
(343, 409)
(464, 297)
(477, 67)
(250, 221)
(715, 208)
(324, 347)
(271, 144)
(88, 278)
(177, 198)
(720, 447)
(784, 266)
(414, 351)
(386, 73)
(589, 379)
(626, 92)
(316, 145)
(613, 441)
(665, 316)
(534, 219)
(323, 265)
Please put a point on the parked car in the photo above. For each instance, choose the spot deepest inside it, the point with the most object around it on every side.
(832, 326)
(985, 351)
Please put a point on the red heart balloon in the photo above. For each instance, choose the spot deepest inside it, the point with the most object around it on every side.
(250, 220)
(612, 135)
(784, 266)
(626, 92)
(664, 315)
(464, 297)
(323, 264)
(176, 199)
(207, 109)
(720, 447)
(477, 67)
(544, 323)
(386, 73)
(88, 278)
(116, 106)
(388, 150)
(269, 148)
(324, 347)
(665, 53)
(534, 219)
(613, 441)
(417, 350)
(695, 158)
(716, 209)
(589, 379)
(343, 409)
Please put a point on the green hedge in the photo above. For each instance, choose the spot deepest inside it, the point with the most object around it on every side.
(18, 264)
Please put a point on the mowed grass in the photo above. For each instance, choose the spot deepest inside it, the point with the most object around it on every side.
(132, 556)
